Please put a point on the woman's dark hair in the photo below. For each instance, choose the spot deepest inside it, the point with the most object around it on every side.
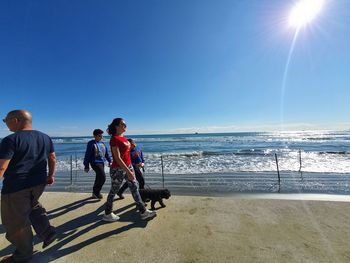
(111, 130)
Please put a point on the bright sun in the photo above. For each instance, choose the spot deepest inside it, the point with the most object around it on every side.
(304, 11)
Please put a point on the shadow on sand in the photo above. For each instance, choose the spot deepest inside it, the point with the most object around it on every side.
(69, 231)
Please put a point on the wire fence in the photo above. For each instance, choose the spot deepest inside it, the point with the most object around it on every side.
(217, 183)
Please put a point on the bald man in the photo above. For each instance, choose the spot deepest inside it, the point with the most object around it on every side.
(24, 158)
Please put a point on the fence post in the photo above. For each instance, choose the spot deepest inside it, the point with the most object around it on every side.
(278, 174)
(161, 159)
(76, 167)
(71, 170)
(301, 173)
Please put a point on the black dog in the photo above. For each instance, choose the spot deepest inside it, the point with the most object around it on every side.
(155, 195)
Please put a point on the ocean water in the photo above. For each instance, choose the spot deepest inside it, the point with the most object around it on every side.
(225, 163)
(308, 151)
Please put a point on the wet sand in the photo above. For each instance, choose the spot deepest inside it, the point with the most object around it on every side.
(241, 228)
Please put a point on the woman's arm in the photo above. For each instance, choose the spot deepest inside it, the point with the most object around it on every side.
(120, 162)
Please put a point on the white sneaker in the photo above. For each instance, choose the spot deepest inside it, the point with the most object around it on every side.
(110, 218)
(148, 214)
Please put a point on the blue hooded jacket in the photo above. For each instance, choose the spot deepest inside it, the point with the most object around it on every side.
(96, 152)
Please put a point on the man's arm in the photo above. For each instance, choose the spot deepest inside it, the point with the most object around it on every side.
(52, 168)
(4, 163)
(87, 157)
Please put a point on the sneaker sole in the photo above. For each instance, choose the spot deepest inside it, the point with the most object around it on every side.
(110, 220)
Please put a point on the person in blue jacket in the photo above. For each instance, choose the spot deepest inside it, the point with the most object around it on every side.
(138, 163)
(96, 155)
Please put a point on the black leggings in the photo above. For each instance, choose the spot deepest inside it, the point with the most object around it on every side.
(100, 178)
(139, 178)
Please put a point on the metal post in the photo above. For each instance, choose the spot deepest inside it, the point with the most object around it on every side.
(161, 159)
(301, 173)
(71, 169)
(278, 174)
(76, 167)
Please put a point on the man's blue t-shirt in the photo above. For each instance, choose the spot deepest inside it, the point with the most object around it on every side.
(28, 151)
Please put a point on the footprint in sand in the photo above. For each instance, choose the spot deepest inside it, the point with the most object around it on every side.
(193, 211)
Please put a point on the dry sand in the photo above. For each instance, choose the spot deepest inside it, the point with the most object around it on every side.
(196, 229)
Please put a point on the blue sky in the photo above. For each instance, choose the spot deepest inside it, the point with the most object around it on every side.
(173, 66)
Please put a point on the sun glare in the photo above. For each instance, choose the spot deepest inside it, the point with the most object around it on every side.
(305, 11)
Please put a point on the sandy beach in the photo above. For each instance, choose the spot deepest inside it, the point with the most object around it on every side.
(197, 229)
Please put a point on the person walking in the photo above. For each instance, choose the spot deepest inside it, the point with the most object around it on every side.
(24, 157)
(138, 164)
(96, 155)
(121, 169)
